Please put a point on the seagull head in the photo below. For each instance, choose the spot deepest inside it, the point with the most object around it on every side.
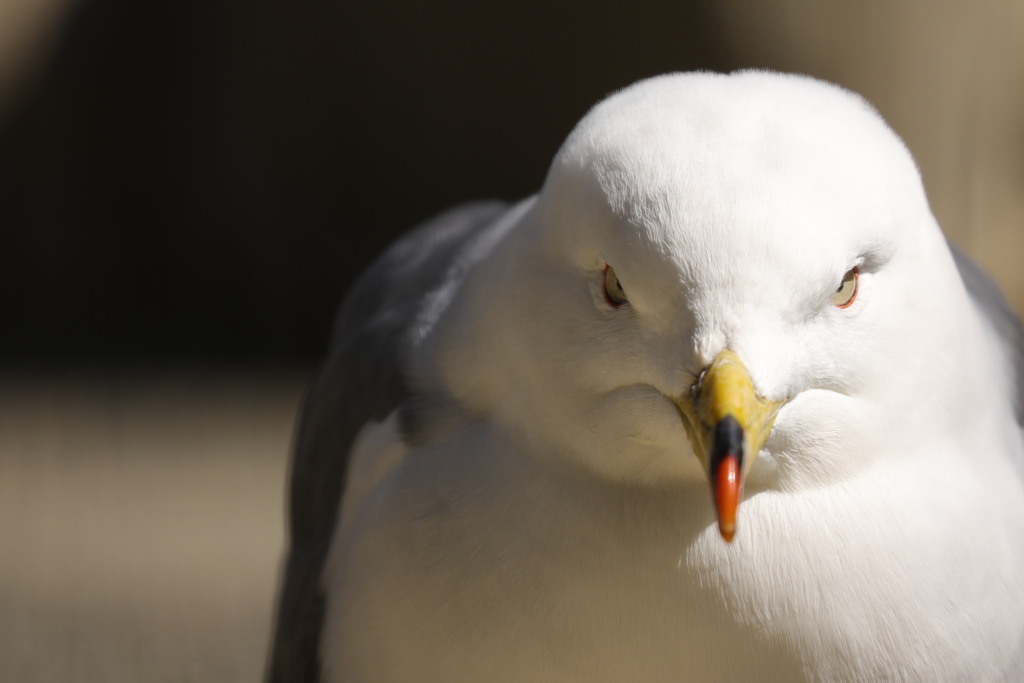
(725, 279)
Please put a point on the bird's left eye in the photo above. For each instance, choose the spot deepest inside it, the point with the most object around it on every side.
(844, 296)
(613, 288)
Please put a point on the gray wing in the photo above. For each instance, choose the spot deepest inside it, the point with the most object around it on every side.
(361, 380)
(990, 300)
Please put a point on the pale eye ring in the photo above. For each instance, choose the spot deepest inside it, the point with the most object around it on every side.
(613, 291)
(846, 294)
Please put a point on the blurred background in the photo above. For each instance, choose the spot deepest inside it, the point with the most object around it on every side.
(187, 188)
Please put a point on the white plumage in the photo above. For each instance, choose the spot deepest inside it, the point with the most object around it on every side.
(532, 509)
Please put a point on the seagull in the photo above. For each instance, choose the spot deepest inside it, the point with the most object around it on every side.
(719, 403)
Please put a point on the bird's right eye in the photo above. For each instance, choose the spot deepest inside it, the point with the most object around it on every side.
(845, 294)
(613, 288)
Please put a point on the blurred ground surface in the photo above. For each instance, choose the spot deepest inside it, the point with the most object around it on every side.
(141, 523)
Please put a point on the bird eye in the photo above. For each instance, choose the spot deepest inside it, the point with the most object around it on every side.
(847, 292)
(612, 289)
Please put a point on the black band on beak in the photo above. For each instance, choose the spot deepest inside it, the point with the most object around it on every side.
(727, 440)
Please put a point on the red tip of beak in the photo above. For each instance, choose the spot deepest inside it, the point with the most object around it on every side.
(728, 488)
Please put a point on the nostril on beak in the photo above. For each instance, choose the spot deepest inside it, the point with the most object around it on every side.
(695, 388)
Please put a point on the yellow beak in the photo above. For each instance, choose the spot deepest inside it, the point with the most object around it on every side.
(727, 423)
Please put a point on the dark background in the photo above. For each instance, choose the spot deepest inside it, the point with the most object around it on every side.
(202, 179)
